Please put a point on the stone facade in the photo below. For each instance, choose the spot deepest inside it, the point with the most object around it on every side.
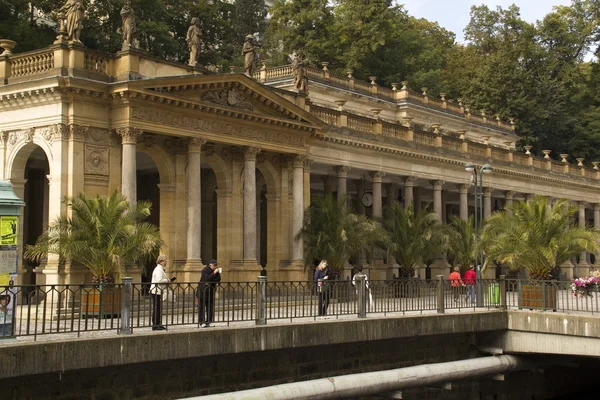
(231, 162)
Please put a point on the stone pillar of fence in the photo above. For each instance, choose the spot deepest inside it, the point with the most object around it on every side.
(126, 307)
(261, 300)
(361, 284)
(503, 304)
(440, 295)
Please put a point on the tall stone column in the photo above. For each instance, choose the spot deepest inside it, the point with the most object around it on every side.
(583, 267)
(360, 190)
(487, 202)
(298, 208)
(377, 196)
(597, 227)
(194, 203)
(250, 205)
(549, 205)
(328, 184)
(307, 164)
(409, 184)
(437, 198)
(129, 163)
(342, 182)
(464, 201)
(440, 265)
(391, 193)
(508, 201)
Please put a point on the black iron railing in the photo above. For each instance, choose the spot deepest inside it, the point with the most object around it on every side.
(126, 307)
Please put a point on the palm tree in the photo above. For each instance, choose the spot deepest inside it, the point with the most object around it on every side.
(413, 237)
(535, 237)
(331, 232)
(103, 234)
(462, 242)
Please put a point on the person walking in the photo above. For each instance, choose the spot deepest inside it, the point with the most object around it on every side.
(205, 298)
(470, 279)
(322, 275)
(158, 286)
(456, 283)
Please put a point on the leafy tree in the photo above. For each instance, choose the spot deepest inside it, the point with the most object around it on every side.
(333, 233)
(412, 236)
(462, 242)
(535, 238)
(103, 234)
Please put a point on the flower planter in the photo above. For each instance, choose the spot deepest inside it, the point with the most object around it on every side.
(542, 297)
(101, 303)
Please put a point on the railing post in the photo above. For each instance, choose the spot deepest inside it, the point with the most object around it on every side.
(362, 295)
(126, 307)
(261, 301)
(503, 304)
(440, 295)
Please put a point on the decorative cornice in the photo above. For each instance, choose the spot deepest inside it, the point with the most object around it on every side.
(215, 127)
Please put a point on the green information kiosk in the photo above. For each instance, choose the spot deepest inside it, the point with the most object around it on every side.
(10, 210)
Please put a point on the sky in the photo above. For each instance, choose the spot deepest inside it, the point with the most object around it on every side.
(454, 14)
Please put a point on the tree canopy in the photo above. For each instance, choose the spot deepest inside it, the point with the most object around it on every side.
(539, 73)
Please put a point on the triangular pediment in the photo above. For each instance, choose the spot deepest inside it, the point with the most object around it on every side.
(232, 92)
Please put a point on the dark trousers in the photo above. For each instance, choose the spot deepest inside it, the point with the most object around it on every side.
(324, 302)
(156, 309)
(206, 303)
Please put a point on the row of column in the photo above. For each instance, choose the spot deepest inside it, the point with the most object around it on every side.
(194, 199)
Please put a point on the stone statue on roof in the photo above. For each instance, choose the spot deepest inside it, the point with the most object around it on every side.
(194, 41)
(129, 26)
(73, 11)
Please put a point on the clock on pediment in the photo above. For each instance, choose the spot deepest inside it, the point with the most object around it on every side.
(367, 199)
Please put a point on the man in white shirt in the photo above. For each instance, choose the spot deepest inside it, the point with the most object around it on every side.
(158, 287)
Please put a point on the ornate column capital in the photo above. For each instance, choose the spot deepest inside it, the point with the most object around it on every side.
(128, 134)
(597, 207)
(509, 195)
(308, 163)
(59, 132)
(437, 185)
(377, 175)
(463, 188)
(342, 171)
(328, 179)
(487, 191)
(299, 160)
(78, 132)
(250, 153)
(410, 181)
(195, 145)
(582, 205)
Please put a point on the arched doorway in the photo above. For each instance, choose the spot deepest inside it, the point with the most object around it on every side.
(35, 213)
(148, 179)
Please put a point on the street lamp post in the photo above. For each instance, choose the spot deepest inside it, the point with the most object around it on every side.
(478, 205)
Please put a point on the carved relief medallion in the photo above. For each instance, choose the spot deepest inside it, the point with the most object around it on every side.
(96, 160)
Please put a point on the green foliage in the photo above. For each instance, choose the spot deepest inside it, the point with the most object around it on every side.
(413, 237)
(535, 238)
(101, 233)
(462, 242)
(332, 232)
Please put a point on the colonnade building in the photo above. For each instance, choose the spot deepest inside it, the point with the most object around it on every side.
(230, 163)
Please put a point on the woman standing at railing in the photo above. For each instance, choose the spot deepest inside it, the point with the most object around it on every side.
(159, 281)
(470, 279)
(322, 274)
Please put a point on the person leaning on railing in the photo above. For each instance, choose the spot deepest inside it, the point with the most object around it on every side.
(205, 297)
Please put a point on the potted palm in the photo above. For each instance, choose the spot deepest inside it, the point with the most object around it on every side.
(462, 242)
(104, 234)
(332, 232)
(538, 239)
(412, 237)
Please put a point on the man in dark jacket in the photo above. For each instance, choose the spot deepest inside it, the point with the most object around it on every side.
(211, 276)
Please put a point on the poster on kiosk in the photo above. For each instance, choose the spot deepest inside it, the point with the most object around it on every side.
(10, 209)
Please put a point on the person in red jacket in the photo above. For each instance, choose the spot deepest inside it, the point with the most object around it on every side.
(470, 279)
(456, 282)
